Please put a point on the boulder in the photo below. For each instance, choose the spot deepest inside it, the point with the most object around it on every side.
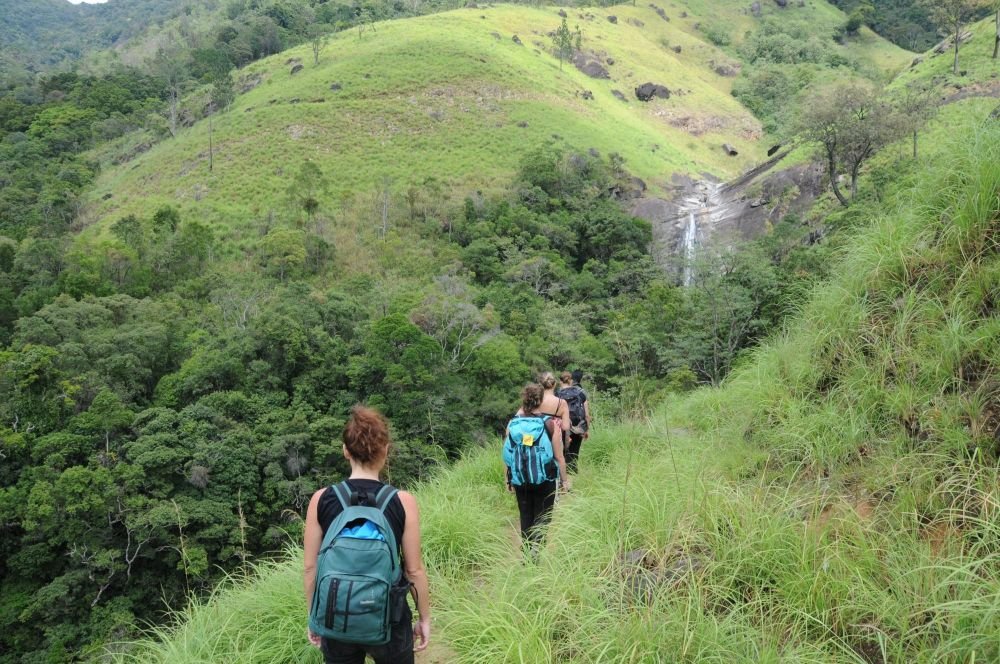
(727, 70)
(781, 3)
(296, 68)
(610, 61)
(594, 152)
(659, 10)
(755, 9)
(618, 94)
(249, 82)
(590, 66)
(516, 40)
(562, 13)
(730, 150)
(647, 91)
(677, 49)
(612, 19)
(684, 14)
(336, 86)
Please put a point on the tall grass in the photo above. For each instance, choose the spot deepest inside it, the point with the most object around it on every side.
(838, 500)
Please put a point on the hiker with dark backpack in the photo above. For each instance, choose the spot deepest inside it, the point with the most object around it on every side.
(362, 558)
(533, 454)
(579, 415)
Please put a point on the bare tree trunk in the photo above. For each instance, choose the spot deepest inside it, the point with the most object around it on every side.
(211, 158)
(958, 34)
(832, 167)
(172, 109)
(996, 40)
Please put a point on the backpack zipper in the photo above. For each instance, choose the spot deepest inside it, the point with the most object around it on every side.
(331, 605)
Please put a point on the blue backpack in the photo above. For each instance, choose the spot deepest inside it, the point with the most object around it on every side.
(528, 451)
(356, 571)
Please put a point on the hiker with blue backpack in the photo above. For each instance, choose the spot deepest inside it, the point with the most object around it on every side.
(579, 415)
(362, 558)
(533, 454)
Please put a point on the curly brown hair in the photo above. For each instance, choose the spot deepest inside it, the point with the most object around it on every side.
(531, 397)
(366, 435)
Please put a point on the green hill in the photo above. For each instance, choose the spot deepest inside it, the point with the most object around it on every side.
(451, 96)
(835, 501)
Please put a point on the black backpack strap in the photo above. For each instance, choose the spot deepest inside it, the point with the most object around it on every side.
(384, 497)
(343, 493)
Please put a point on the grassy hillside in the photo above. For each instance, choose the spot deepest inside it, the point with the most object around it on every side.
(979, 72)
(835, 501)
(451, 96)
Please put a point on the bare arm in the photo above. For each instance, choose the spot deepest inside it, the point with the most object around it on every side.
(557, 452)
(564, 407)
(415, 571)
(312, 542)
(586, 412)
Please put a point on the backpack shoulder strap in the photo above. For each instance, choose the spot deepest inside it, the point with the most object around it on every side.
(384, 497)
(343, 493)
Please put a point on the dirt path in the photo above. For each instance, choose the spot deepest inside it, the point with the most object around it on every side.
(436, 653)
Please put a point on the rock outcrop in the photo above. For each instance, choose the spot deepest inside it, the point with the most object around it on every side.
(590, 66)
(647, 91)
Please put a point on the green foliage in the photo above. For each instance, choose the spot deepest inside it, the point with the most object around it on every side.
(562, 40)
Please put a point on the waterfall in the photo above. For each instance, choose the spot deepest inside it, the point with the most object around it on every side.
(690, 242)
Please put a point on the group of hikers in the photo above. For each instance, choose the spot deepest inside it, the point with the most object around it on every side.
(362, 536)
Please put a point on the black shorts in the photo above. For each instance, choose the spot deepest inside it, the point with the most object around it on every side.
(399, 650)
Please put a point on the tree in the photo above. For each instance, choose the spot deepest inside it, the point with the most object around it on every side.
(563, 42)
(916, 106)
(306, 188)
(318, 40)
(951, 16)
(859, 16)
(284, 250)
(850, 122)
(223, 91)
(171, 66)
(996, 38)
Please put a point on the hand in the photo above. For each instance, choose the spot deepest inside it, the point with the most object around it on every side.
(313, 639)
(567, 485)
(421, 634)
(510, 488)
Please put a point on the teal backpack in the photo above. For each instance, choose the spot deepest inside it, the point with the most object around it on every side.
(357, 570)
(528, 451)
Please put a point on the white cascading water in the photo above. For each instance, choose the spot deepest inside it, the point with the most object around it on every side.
(690, 242)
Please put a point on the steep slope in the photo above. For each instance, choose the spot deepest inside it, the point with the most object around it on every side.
(453, 97)
(979, 72)
(836, 501)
